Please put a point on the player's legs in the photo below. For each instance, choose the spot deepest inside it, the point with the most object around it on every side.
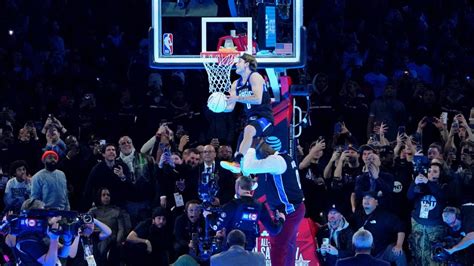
(255, 128)
(249, 133)
(283, 245)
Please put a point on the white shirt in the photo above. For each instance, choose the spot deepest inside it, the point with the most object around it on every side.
(273, 164)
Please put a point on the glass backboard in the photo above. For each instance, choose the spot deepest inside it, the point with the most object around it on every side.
(182, 29)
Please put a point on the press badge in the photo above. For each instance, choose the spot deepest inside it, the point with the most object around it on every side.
(178, 199)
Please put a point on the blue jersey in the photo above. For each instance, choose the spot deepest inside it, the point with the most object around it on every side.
(255, 110)
(283, 191)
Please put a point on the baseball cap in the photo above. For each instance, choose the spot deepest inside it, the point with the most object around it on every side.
(334, 207)
(351, 147)
(372, 194)
(158, 211)
(367, 147)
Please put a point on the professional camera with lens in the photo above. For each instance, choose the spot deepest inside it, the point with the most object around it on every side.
(37, 221)
(208, 187)
(440, 255)
(207, 245)
(71, 225)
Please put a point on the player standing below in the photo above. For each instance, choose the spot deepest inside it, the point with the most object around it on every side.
(249, 89)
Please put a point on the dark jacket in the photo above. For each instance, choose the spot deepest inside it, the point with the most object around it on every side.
(285, 184)
(239, 213)
(102, 176)
(143, 180)
(362, 260)
(383, 225)
(383, 183)
(343, 243)
(432, 195)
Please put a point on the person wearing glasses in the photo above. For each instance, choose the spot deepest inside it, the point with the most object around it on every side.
(461, 226)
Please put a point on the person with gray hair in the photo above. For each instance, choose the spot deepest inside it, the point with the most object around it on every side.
(236, 254)
(362, 241)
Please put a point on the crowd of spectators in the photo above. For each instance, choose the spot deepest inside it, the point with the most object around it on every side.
(76, 83)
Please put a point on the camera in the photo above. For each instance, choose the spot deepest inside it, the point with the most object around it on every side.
(440, 255)
(37, 221)
(207, 245)
(208, 187)
(401, 130)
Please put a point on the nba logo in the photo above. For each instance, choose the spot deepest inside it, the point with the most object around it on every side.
(168, 44)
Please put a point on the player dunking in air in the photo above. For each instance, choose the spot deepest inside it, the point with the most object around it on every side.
(249, 89)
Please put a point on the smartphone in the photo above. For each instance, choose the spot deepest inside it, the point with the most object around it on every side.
(401, 130)
(444, 118)
(325, 242)
(455, 124)
(373, 137)
(102, 142)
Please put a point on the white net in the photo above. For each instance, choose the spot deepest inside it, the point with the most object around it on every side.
(218, 66)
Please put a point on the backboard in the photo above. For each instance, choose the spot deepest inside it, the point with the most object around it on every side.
(182, 29)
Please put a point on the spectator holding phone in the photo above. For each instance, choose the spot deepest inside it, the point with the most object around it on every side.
(426, 219)
(347, 169)
(109, 173)
(342, 135)
(460, 131)
(373, 180)
(312, 180)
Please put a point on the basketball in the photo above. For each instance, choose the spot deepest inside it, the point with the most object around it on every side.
(217, 102)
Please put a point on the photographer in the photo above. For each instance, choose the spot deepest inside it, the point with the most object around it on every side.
(87, 251)
(244, 213)
(461, 223)
(40, 248)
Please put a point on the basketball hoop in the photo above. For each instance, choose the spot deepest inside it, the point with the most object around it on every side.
(218, 66)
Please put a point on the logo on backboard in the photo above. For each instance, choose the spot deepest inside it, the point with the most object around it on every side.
(167, 44)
